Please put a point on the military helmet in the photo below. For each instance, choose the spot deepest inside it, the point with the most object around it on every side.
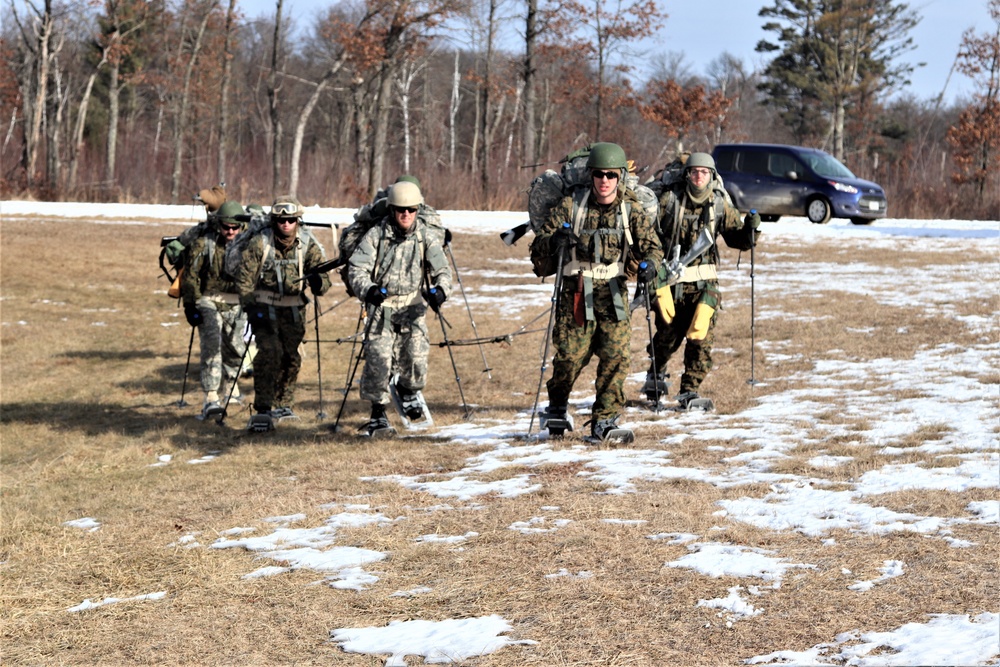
(227, 213)
(286, 206)
(605, 155)
(700, 160)
(405, 194)
(408, 178)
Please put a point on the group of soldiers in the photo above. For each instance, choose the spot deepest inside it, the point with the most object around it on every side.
(599, 240)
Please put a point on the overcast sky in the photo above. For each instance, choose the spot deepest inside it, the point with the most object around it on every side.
(704, 31)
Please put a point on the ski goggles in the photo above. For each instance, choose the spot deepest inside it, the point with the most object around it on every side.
(285, 210)
(610, 175)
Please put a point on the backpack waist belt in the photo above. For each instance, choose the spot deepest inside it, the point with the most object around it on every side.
(594, 270)
(402, 300)
(223, 297)
(693, 274)
(275, 299)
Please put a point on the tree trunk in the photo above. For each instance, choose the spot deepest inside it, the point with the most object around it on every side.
(43, 38)
(456, 98)
(76, 144)
(272, 98)
(181, 124)
(487, 130)
(380, 134)
(227, 73)
(530, 142)
(300, 127)
(112, 143)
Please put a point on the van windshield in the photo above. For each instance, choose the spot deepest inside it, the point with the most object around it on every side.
(827, 166)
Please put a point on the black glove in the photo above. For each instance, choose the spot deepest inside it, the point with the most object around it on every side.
(192, 314)
(315, 281)
(258, 316)
(564, 238)
(447, 237)
(435, 297)
(752, 220)
(375, 295)
(646, 272)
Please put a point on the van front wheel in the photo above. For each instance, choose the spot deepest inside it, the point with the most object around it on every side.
(818, 211)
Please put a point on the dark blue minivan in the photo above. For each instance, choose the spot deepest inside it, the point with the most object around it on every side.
(779, 180)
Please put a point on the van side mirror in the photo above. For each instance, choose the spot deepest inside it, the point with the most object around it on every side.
(792, 175)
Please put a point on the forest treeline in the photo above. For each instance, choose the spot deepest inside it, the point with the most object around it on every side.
(152, 100)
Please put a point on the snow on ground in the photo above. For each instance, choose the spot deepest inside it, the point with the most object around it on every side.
(965, 402)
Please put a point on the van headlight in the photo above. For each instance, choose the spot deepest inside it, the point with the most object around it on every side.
(843, 187)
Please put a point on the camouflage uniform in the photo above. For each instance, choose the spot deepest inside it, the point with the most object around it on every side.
(680, 222)
(397, 340)
(223, 322)
(606, 327)
(269, 277)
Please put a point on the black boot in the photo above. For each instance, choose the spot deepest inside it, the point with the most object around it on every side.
(378, 423)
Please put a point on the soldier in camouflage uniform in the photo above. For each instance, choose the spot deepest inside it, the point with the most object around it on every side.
(270, 285)
(599, 231)
(212, 304)
(396, 260)
(687, 302)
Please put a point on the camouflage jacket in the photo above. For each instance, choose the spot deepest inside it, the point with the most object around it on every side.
(681, 221)
(203, 271)
(397, 261)
(601, 238)
(267, 266)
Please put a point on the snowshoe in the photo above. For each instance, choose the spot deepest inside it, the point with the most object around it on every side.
(378, 425)
(607, 430)
(556, 420)
(261, 423)
(210, 410)
(656, 387)
(281, 414)
(410, 405)
(690, 400)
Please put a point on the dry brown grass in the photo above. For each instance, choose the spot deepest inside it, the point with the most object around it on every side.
(87, 408)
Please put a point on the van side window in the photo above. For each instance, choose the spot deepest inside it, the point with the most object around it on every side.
(725, 161)
(781, 164)
(754, 162)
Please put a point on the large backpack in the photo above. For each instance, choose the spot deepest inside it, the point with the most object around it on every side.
(260, 223)
(367, 217)
(673, 173)
(550, 187)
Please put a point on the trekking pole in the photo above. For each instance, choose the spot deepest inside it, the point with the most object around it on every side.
(182, 403)
(461, 286)
(753, 244)
(319, 368)
(652, 348)
(232, 388)
(451, 355)
(548, 333)
(354, 369)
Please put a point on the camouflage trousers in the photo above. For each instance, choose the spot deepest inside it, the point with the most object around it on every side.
(605, 337)
(397, 343)
(669, 337)
(220, 336)
(276, 366)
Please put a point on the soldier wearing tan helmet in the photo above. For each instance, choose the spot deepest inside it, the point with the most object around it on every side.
(397, 270)
(693, 212)
(272, 277)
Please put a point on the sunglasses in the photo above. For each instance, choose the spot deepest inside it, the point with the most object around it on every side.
(610, 175)
(404, 209)
(287, 221)
(284, 208)
(230, 228)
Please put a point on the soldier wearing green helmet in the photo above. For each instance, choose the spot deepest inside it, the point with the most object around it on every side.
(212, 304)
(600, 233)
(693, 212)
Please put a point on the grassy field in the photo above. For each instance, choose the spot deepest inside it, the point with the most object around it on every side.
(91, 378)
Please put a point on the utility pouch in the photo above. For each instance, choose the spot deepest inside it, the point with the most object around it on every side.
(579, 302)
(175, 287)
(665, 303)
(704, 313)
